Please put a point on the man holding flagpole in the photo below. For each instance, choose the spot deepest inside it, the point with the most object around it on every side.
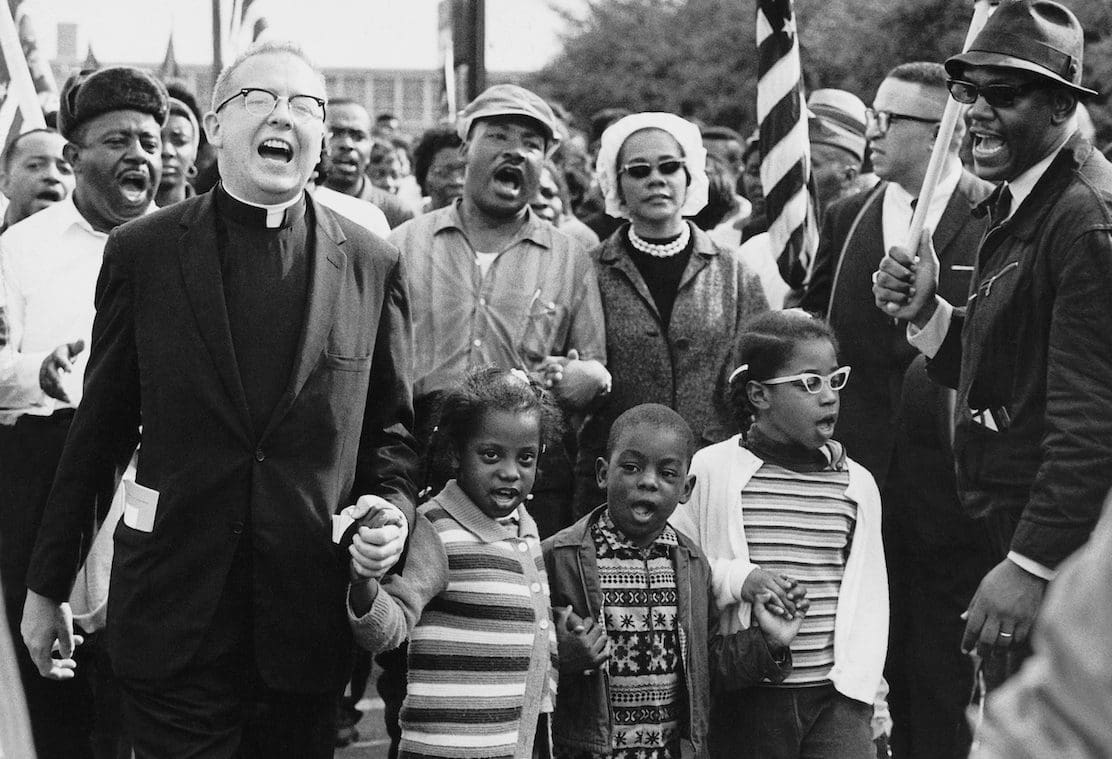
(1029, 354)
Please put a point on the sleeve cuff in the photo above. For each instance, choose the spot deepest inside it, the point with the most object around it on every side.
(21, 387)
(1031, 566)
(929, 339)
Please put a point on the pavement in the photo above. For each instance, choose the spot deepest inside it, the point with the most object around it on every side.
(372, 743)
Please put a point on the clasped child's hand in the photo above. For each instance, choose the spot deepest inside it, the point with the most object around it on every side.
(786, 593)
(581, 643)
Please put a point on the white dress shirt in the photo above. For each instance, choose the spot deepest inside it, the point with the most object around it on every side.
(896, 210)
(49, 264)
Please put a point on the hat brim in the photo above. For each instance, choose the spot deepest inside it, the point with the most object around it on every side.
(955, 65)
(465, 126)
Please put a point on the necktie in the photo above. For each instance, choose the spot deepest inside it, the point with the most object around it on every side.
(1002, 208)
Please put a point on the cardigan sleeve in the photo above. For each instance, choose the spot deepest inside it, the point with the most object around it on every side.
(401, 598)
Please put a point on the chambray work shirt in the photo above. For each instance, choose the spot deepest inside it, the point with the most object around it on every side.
(538, 298)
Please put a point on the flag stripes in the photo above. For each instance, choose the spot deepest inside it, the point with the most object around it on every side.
(785, 149)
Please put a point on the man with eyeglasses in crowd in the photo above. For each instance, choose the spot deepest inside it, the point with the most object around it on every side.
(1029, 355)
(246, 330)
(893, 420)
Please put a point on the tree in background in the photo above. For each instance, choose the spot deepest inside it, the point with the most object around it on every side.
(697, 58)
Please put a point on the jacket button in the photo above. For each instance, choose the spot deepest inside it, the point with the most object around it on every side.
(259, 455)
(237, 528)
(683, 343)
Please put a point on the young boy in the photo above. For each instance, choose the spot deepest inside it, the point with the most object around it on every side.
(636, 622)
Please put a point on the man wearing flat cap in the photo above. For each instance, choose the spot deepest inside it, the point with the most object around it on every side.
(1029, 354)
(111, 120)
(263, 344)
(492, 283)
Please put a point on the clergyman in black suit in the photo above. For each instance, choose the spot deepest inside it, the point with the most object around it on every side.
(935, 554)
(263, 345)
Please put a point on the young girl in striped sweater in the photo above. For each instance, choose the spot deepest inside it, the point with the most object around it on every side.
(782, 505)
(473, 595)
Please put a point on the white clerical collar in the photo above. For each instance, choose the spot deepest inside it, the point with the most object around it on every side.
(1022, 186)
(275, 214)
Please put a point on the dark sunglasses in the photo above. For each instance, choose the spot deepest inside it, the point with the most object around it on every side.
(996, 95)
(643, 170)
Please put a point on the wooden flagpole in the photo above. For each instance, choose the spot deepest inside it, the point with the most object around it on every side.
(982, 9)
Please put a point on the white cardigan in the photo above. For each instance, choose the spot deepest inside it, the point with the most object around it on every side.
(713, 519)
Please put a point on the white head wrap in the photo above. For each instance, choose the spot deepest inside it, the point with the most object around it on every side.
(686, 134)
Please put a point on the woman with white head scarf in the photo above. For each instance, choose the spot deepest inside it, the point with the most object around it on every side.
(672, 298)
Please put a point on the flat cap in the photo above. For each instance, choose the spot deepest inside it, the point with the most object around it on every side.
(508, 100)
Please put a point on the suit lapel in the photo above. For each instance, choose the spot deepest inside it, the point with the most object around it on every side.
(327, 264)
(954, 218)
(200, 267)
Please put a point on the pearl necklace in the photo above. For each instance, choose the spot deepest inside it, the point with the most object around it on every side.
(658, 250)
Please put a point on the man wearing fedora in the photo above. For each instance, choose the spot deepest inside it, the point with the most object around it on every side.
(1029, 354)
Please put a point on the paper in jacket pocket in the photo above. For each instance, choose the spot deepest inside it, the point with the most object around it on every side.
(140, 506)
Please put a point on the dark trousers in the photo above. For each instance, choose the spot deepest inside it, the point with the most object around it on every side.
(790, 723)
(222, 709)
(931, 583)
(79, 717)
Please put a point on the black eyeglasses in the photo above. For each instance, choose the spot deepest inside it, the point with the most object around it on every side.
(641, 170)
(996, 95)
(260, 102)
(883, 119)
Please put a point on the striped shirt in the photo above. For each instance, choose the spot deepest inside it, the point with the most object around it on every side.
(482, 657)
(647, 697)
(801, 524)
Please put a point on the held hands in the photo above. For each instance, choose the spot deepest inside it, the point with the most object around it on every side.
(786, 594)
(378, 543)
(778, 630)
(582, 643)
(574, 381)
(58, 363)
(904, 285)
(47, 627)
(1003, 608)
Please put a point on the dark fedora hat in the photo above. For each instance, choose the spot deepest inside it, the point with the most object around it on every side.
(1039, 36)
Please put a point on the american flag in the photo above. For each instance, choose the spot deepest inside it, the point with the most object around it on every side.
(249, 23)
(785, 150)
(19, 103)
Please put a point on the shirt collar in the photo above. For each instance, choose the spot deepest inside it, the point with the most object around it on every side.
(453, 500)
(70, 215)
(534, 229)
(1022, 185)
(617, 539)
(258, 214)
(943, 189)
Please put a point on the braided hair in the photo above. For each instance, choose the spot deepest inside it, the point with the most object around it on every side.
(766, 345)
(490, 388)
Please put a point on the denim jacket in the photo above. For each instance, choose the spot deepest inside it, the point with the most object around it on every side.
(583, 717)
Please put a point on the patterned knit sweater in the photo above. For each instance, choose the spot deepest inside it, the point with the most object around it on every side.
(482, 655)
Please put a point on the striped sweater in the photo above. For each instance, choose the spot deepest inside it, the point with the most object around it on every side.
(473, 598)
(801, 524)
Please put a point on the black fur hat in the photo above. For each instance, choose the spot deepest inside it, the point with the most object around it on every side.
(90, 94)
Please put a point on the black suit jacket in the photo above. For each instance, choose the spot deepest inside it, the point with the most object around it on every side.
(162, 357)
(851, 246)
